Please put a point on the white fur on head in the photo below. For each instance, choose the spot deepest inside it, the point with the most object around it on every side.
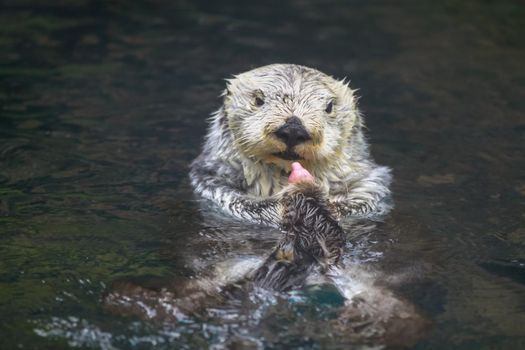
(289, 90)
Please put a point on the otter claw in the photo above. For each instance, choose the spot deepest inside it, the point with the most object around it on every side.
(285, 254)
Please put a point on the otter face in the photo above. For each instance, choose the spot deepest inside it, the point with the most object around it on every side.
(282, 113)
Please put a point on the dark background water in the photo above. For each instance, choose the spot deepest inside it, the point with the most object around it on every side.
(104, 104)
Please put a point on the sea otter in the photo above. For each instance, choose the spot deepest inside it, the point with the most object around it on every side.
(273, 116)
(287, 149)
(276, 117)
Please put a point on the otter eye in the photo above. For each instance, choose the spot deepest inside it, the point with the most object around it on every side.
(329, 107)
(259, 101)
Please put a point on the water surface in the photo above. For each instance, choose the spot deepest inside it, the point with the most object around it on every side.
(104, 104)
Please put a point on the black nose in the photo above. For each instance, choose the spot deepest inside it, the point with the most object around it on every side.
(293, 132)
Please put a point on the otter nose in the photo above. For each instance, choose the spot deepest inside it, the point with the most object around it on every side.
(293, 132)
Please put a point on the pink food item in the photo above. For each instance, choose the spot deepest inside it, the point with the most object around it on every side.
(299, 174)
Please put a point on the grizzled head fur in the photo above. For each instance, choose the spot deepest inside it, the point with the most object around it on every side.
(258, 105)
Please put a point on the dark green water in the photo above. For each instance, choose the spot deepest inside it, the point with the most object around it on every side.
(103, 106)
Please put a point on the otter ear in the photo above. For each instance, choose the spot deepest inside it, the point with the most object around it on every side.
(227, 91)
(345, 92)
(229, 87)
(349, 100)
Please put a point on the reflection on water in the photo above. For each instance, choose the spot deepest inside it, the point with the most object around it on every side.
(103, 106)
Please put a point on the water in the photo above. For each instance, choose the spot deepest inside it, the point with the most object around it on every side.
(103, 106)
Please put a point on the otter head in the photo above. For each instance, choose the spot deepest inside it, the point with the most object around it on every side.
(283, 113)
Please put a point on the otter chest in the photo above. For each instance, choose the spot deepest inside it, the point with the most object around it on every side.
(264, 181)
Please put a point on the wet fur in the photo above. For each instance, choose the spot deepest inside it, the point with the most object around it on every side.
(238, 171)
(312, 240)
